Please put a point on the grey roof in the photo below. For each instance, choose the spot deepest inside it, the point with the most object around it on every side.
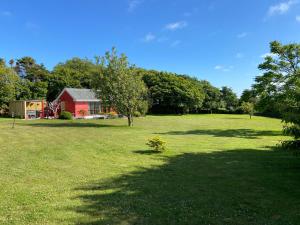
(79, 94)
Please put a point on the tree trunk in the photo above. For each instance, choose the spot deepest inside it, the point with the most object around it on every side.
(130, 120)
(250, 116)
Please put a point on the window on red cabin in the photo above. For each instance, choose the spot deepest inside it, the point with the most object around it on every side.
(94, 108)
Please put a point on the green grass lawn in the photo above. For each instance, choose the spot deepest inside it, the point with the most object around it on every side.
(219, 169)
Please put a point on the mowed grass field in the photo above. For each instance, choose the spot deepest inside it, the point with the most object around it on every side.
(218, 169)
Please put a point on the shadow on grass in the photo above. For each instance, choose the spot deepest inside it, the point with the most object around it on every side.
(235, 118)
(147, 152)
(238, 133)
(232, 187)
(69, 124)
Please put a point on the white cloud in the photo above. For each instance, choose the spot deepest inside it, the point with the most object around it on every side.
(218, 67)
(268, 54)
(281, 8)
(133, 4)
(149, 37)
(176, 25)
(239, 55)
(224, 68)
(242, 35)
(175, 43)
(298, 19)
(6, 13)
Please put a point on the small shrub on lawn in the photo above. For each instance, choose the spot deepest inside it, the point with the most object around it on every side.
(65, 115)
(83, 112)
(157, 144)
(112, 115)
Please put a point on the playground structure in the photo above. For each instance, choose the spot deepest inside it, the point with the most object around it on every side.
(27, 109)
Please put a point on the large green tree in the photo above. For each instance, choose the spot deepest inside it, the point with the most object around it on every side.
(229, 98)
(34, 76)
(171, 93)
(9, 84)
(118, 86)
(279, 85)
(74, 73)
(248, 95)
(212, 100)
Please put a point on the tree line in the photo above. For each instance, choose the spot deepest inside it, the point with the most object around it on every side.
(167, 93)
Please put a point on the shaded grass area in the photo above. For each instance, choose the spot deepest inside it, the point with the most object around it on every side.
(217, 170)
(238, 133)
(232, 187)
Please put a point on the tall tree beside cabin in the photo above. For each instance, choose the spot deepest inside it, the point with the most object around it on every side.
(117, 85)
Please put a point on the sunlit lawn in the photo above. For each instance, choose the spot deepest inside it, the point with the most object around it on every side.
(219, 169)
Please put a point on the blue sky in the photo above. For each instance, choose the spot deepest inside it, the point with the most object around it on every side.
(221, 41)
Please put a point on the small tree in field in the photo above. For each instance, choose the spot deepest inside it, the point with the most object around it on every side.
(248, 107)
(157, 144)
(118, 86)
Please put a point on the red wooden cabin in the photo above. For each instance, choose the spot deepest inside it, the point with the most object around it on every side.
(82, 103)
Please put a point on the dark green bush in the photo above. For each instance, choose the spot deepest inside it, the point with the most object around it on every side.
(292, 130)
(137, 114)
(65, 115)
(290, 145)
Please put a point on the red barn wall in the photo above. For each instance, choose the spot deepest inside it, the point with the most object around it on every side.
(81, 106)
(69, 103)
